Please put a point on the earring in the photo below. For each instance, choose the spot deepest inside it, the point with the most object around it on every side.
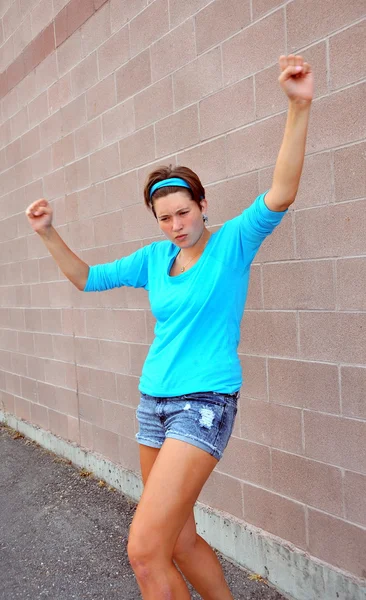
(205, 219)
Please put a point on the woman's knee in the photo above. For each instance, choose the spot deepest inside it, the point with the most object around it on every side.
(140, 548)
(144, 549)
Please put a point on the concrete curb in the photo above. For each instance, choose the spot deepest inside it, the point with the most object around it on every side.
(293, 572)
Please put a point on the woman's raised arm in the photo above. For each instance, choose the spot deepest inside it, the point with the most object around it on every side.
(39, 215)
(296, 80)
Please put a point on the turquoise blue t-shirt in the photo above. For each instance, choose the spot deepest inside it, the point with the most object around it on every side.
(197, 313)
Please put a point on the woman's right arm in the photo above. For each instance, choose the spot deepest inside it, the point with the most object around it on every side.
(39, 215)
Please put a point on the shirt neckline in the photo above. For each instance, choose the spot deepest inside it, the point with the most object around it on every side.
(184, 274)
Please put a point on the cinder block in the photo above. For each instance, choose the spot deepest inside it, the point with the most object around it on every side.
(114, 52)
(84, 75)
(275, 514)
(69, 53)
(351, 274)
(54, 184)
(50, 129)
(337, 542)
(119, 419)
(350, 172)
(11, 19)
(108, 229)
(347, 126)
(114, 356)
(39, 415)
(119, 121)
(335, 337)
(335, 440)
(254, 146)
(316, 185)
(134, 76)
(105, 163)
(78, 13)
(269, 332)
(207, 160)
(254, 377)
(304, 285)
(223, 493)
(246, 461)
(38, 109)
(307, 385)
(95, 30)
(177, 131)
(173, 50)
(22, 408)
(19, 123)
(73, 114)
(239, 193)
(308, 21)
(77, 175)
(256, 47)
(30, 142)
(121, 13)
(121, 191)
(154, 103)
(137, 149)
(148, 26)
(353, 387)
(41, 16)
(355, 497)
(272, 424)
(215, 118)
(60, 93)
(260, 7)
(88, 138)
(346, 221)
(220, 20)
(199, 78)
(101, 97)
(313, 483)
(103, 384)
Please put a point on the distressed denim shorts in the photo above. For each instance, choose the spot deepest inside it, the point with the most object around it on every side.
(203, 419)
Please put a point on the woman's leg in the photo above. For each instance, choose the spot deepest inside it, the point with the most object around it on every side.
(193, 555)
(172, 487)
(199, 564)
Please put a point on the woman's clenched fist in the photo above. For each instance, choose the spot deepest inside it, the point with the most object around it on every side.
(39, 215)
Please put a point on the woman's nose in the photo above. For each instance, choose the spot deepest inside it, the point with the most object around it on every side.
(177, 224)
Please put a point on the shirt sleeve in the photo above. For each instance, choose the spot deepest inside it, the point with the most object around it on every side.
(258, 221)
(131, 271)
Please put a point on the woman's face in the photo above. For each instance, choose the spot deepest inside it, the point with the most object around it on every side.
(180, 218)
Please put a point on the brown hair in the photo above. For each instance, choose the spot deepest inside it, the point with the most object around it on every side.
(196, 191)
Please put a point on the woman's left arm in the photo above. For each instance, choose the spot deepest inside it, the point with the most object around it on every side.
(297, 81)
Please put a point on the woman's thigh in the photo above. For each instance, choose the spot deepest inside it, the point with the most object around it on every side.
(148, 456)
(176, 477)
(187, 535)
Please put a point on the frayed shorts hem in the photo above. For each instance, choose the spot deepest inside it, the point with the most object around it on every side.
(145, 442)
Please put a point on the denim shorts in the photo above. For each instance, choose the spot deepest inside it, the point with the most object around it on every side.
(202, 419)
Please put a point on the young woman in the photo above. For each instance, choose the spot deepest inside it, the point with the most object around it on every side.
(190, 382)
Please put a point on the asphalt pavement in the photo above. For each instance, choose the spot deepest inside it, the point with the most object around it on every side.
(63, 533)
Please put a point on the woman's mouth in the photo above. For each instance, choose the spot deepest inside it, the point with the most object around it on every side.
(181, 237)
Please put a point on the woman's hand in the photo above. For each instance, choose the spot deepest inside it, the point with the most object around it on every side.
(39, 215)
(296, 79)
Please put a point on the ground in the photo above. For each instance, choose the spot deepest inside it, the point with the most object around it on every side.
(63, 533)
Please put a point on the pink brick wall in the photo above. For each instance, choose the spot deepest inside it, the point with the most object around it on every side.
(94, 94)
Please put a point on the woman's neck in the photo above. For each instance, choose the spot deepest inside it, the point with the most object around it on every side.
(189, 253)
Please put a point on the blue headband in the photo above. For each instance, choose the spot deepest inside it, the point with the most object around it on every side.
(174, 181)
